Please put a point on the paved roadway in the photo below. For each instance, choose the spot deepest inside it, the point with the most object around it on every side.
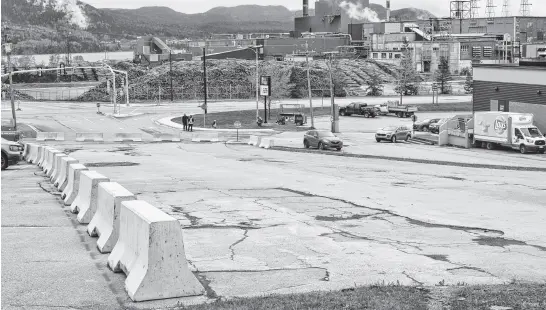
(70, 117)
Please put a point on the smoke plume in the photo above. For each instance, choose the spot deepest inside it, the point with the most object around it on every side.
(358, 12)
(73, 10)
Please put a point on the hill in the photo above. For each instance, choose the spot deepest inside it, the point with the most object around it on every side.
(400, 14)
(47, 26)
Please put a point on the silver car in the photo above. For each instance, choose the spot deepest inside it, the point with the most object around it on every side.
(393, 133)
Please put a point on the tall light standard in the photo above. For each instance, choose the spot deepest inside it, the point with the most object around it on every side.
(256, 50)
(334, 121)
(309, 85)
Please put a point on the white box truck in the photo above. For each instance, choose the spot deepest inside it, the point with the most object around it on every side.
(513, 130)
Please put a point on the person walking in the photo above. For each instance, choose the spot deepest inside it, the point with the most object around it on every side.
(190, 123)
(185, 122)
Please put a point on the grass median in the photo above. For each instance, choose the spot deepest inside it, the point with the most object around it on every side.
(225, 120)
(396, 297)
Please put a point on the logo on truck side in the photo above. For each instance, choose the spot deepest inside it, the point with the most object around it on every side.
(500, 125)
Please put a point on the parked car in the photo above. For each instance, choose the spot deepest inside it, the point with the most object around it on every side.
(435, 127)
(424, 125)
(322, 139)
(12, 153)
(358, 109)
(393, 134)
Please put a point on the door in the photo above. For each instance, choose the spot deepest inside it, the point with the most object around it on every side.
(313, 139)
(400, 133)
(518, 137)
(351, 108)
(503, 106)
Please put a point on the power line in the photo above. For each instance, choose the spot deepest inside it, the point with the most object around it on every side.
(525, 8)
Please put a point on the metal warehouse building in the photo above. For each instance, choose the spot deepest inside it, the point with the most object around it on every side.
(512, 88)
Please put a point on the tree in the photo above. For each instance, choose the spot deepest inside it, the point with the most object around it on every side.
(408, 78)
(375, 84)
(443, 75)
(469, 83)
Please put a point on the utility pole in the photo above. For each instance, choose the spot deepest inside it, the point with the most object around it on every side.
(205, 85)
(309, 86)
(171, 72)
(257, 83)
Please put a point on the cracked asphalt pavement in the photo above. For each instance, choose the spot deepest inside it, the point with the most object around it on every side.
(264, 221)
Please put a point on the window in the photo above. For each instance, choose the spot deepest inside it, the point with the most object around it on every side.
(395, 49)
(476, 51)
(397, 56)
(435, 49)
(383, 55)
(375, 55)
(487, 51)
(464, 48)
(390, 55)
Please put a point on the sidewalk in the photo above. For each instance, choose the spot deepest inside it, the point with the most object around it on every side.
(48, 259)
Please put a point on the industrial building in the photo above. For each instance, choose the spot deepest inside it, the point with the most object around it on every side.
(512, 88)
(150, 50)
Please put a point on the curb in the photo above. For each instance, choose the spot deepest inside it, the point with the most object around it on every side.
(167, 121)
(122, 116)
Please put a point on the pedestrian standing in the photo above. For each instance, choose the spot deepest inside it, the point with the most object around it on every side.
(185, 122)
(214, 124)
(190, 123)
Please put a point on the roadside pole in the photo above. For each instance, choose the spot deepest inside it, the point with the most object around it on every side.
(205, 85)
(171, 72)
(12, 98)
(257, 83)
(309, 86)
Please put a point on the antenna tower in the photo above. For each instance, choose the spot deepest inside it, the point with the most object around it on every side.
(525, 8)
(474, 8)
(460, 9)
(506, 8)
(490, 9)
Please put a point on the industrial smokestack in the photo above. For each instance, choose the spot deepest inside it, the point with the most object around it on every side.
(388, 10)
(305, 8)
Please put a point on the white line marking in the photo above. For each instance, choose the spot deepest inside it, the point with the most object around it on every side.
(33, 128)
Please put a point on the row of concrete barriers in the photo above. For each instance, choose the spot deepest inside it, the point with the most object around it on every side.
(144, 242)
(263, 142)
(133, 137)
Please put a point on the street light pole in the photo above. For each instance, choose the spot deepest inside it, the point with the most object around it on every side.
(171, 73)
(257, 83)
(7, 50)
(309, 86)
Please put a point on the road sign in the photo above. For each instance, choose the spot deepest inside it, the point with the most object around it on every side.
(264, 90)
(237, 124)
(203, 106)
(434, 87)
(98, 104)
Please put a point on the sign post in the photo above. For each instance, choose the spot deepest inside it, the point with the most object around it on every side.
(237, 125)
(265, 90)
(434, 91)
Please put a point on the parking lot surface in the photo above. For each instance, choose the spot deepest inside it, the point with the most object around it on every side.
(263, 221)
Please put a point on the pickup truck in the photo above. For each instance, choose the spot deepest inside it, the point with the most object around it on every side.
(8, 130)
(358, 109)
(395, 108)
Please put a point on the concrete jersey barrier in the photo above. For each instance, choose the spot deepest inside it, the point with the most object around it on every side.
(267, 143)
(56, 165)
(150, 250)
(85, 203)
(31, 150)
(62, 181)
(43, 156)
(120, 137)
(205, 137)
(71, 190)
(105, 223)
(89, 136)
(50, 136)
(255, 140)
(50, 160)
(158, 137)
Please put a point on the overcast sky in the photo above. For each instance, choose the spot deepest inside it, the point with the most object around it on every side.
(437, 7)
